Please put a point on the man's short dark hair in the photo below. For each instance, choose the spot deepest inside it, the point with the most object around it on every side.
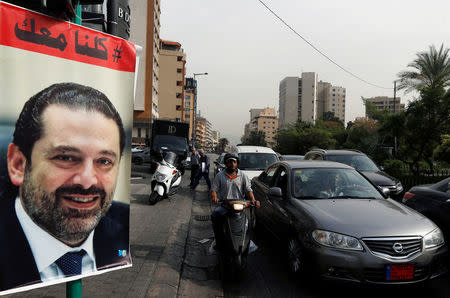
(73, 96)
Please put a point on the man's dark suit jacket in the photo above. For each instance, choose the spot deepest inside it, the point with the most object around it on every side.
(17, 265)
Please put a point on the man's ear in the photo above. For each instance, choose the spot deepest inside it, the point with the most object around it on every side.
(16, 164)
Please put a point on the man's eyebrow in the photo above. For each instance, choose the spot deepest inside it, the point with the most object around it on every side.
(110, 153)
(62, 149)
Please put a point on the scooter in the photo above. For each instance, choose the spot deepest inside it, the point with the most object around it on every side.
(166, 179)
(238, 225)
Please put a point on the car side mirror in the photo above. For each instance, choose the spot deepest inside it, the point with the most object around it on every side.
(381, 168)
(386, 192)
(275, 191)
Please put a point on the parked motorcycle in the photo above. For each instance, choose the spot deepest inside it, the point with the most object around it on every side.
(238, 226)
(166, 179)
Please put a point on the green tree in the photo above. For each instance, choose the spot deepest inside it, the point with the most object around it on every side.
(222, 145)
(431, 69)
(442, 152)
(255, 138)
(426, 120)
(301, 137)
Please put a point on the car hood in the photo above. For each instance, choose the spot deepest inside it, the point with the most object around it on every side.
(367, 218)
(380, 178)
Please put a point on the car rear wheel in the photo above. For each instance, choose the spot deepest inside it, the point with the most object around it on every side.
(294, 256)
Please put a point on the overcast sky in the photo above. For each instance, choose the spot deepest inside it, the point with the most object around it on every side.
(247, 51)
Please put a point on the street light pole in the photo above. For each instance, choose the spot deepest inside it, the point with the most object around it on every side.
(195, 106)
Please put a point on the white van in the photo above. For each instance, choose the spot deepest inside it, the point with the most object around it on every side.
(254, 159)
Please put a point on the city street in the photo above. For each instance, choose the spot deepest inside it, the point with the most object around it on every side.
(170, 244)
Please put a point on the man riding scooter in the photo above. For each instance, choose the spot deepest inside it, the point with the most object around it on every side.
(230, 184)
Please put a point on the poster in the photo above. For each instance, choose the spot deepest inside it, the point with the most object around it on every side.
(66, 98)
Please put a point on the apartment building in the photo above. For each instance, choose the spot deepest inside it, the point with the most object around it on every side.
(171, 84)
(307, 99)
(264, 120)
(387, 103)
(147, 81)
(203, 133)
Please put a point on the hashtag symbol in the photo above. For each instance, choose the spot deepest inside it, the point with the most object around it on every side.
(116, 55)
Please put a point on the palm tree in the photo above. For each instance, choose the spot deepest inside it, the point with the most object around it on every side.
(432, 70)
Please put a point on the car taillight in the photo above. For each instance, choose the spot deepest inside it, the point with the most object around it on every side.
(407, 196)
(174, 172)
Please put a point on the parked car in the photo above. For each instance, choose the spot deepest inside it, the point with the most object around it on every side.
(141, 157)
(336, 224)
(254, 159)
(362, 163)
(292, 157)
(433, 201)
(219, 164)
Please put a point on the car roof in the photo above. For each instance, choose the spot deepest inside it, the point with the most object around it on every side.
(307, 164)
(337, 152)
(254, 149)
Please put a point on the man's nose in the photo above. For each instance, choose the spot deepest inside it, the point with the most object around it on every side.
(86, 177)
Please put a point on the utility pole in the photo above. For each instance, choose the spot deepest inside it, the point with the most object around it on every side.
(395, 136)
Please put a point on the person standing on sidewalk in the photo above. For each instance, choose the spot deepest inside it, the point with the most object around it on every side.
(195, 157)
(203, 170)
(229, 184)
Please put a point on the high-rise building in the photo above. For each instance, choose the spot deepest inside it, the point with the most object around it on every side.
(147, 39)
(171, 83)
(203, 135)
(264, 120)
(188, 110)
(386, 103)
(307, 100)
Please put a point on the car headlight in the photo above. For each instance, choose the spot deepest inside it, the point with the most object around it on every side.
(336, 240)
(160, 177)
(399, 187)
(433, 239)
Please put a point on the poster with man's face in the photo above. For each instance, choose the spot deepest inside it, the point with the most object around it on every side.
(65, 128)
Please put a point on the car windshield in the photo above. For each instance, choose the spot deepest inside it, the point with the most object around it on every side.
(256, 161)
(169, 143)
(326, 183)
(359, 162)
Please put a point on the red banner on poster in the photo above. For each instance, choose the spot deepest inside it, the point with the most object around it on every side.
(31, 31)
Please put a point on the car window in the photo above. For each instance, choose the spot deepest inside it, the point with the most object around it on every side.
(314, 156)
(256, 161)
(281, 180)
(267, 176)
(326, 183)
(359, 162)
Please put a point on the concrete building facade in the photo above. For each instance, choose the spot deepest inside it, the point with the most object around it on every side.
(387, 103)
(147, 81)
(203, 135)
(264, 120)
(171, 83)
(307, 99)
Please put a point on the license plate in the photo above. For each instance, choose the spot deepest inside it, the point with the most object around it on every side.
(399, 272)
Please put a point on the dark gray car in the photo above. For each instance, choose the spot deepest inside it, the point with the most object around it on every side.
(335, 223)
(362, 163)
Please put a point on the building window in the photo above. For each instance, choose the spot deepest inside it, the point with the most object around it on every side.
(139, 132)
(179, 58)
(187, 97)
(179, 70)
(178, 107)
(187, 116)
(187, 109)
(187, 104)
(179, 95)
(179, 83)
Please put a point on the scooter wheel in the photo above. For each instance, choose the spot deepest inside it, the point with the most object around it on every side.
(153, 198)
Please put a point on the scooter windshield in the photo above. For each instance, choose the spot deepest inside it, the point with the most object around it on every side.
(170, 158)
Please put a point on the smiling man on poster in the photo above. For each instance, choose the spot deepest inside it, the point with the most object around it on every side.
(64, 159)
